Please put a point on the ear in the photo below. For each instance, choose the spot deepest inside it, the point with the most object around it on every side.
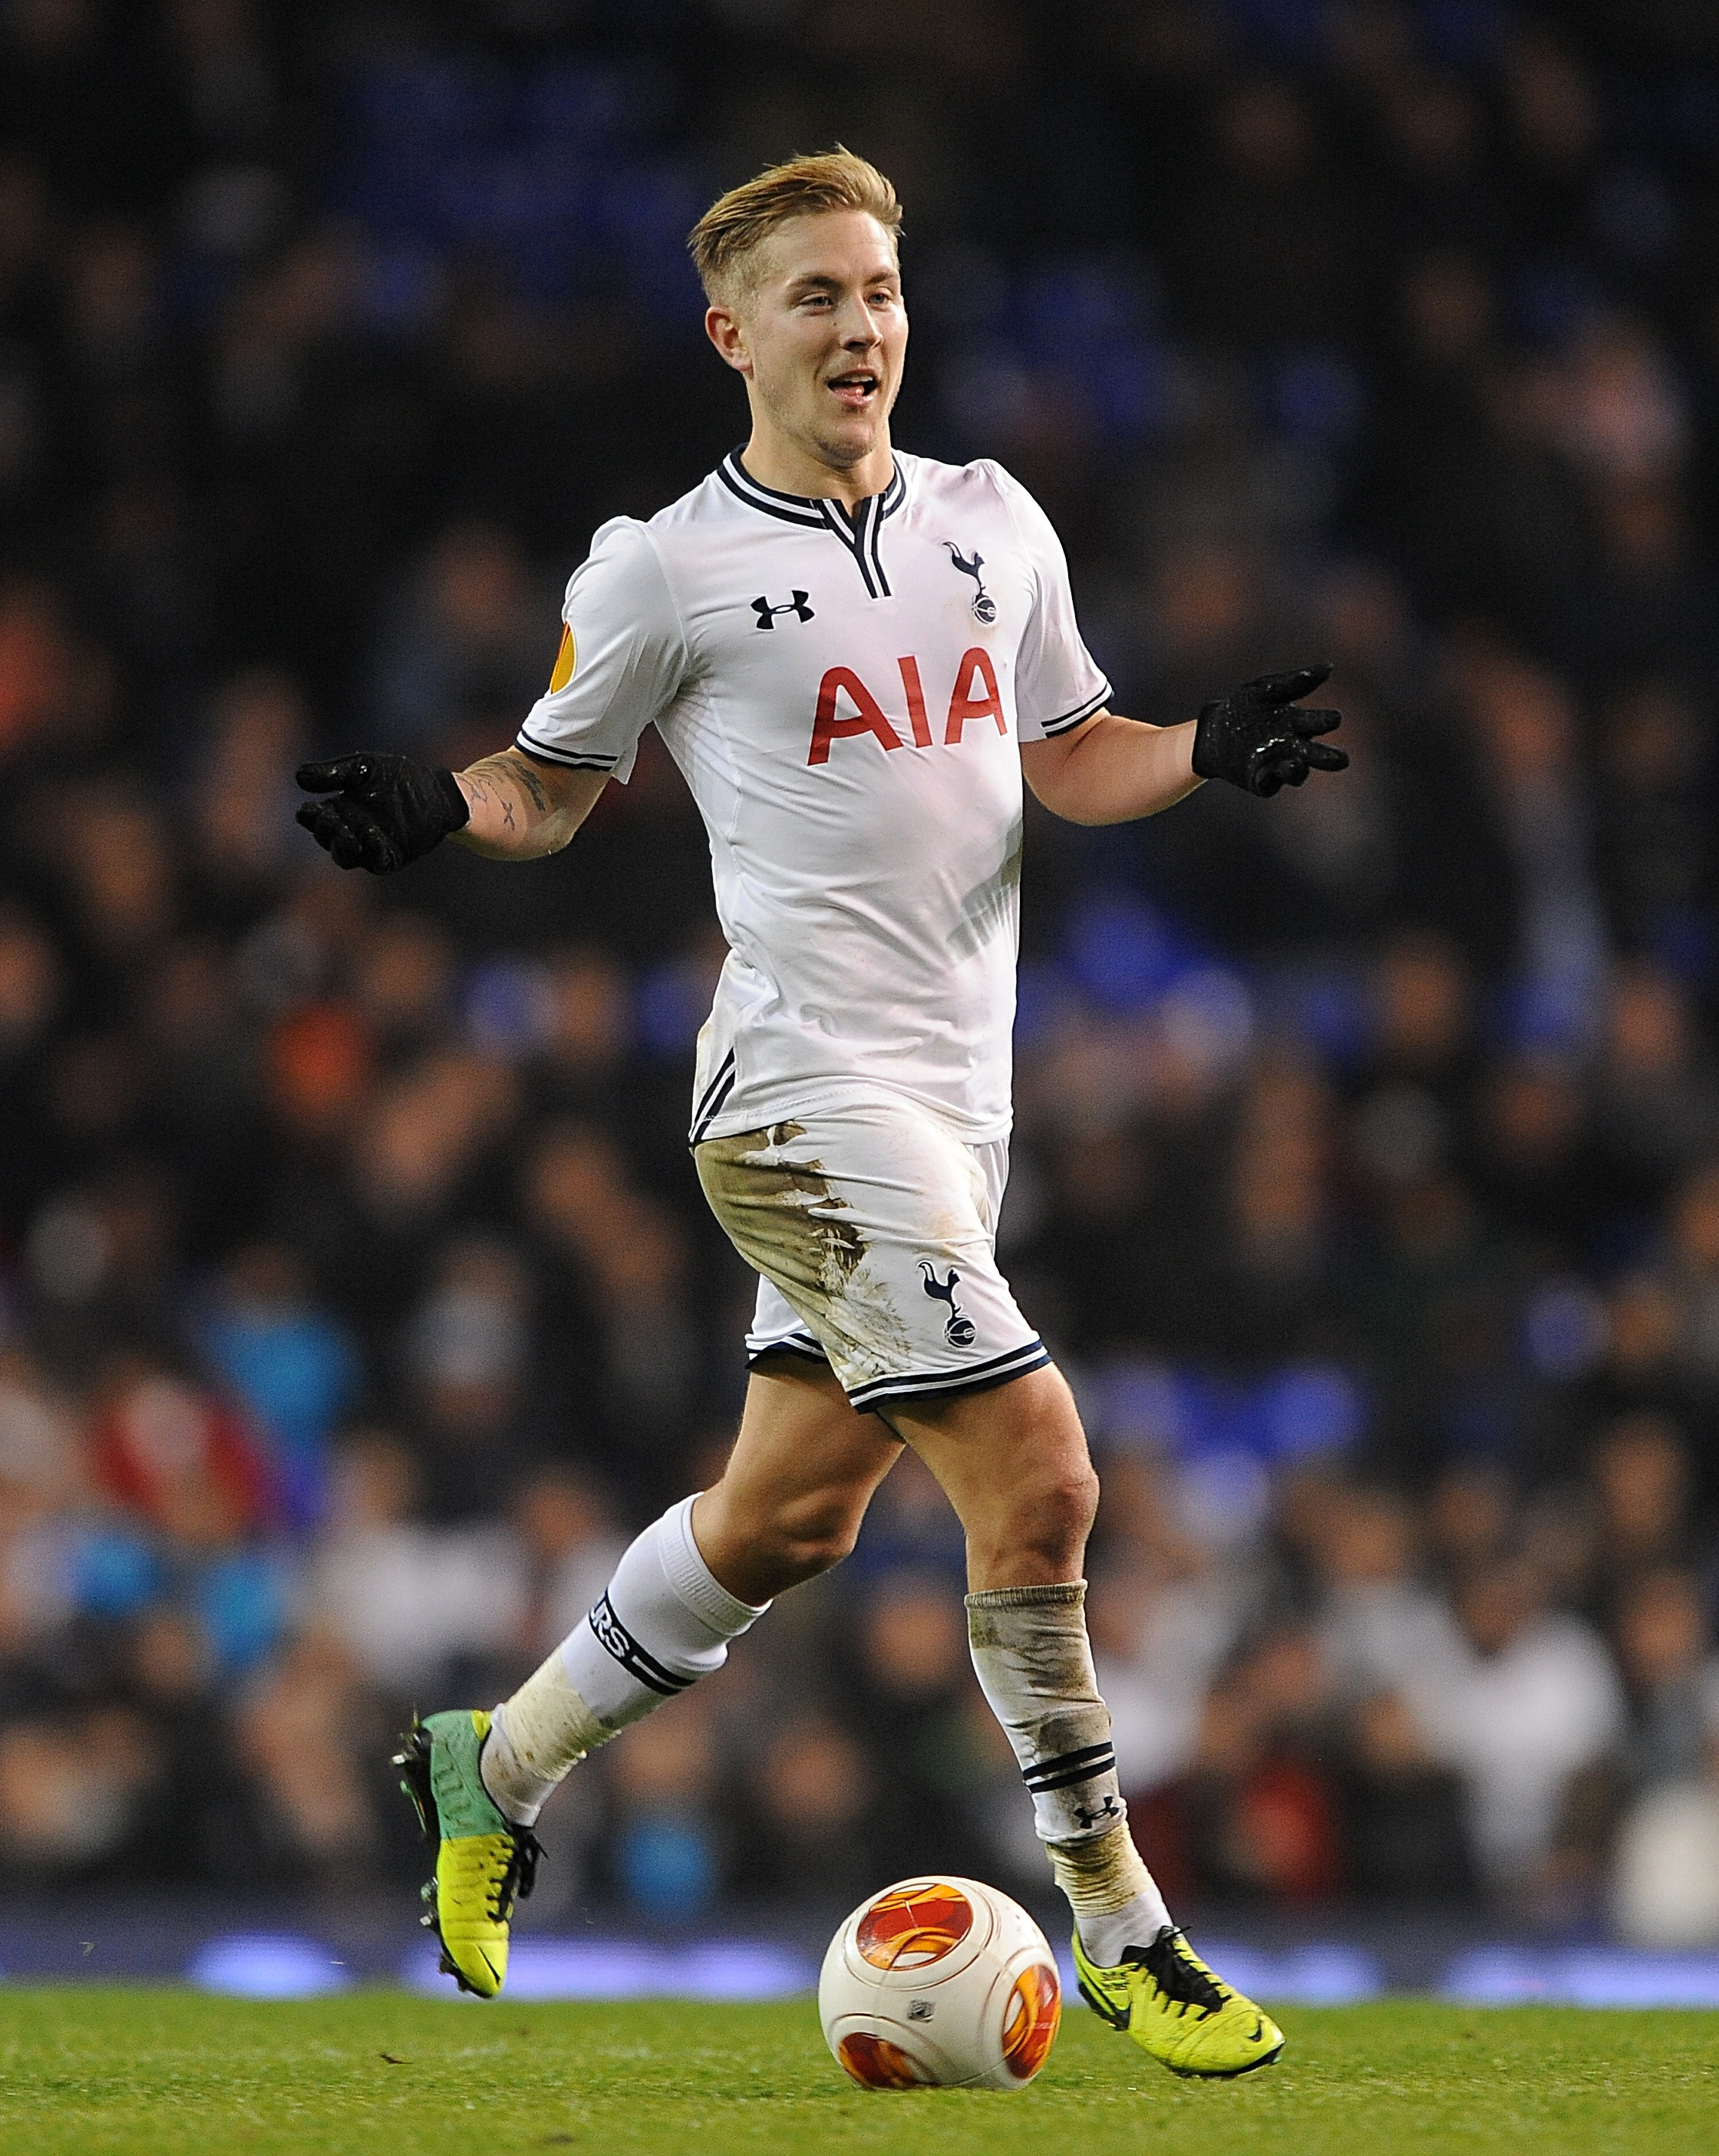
(726, 330)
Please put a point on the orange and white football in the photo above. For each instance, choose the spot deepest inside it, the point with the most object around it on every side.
(939, 1983)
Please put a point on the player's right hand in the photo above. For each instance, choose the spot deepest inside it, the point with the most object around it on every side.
(383, 811)
(1253, 738)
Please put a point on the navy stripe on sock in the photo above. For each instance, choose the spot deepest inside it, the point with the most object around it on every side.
(1071, 1767)
(613, 1636)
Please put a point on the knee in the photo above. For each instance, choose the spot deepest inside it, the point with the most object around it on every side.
(1046, 1526)
(1068, 1506)
(813, 1544)
(809, 1537)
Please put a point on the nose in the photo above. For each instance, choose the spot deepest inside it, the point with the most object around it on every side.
(857, 325)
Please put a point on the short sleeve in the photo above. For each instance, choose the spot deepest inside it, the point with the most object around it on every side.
(1058, 682)
(622, 658)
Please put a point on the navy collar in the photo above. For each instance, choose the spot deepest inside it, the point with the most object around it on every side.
(859, 533)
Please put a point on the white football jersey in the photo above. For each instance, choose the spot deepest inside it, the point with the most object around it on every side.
(845, 697)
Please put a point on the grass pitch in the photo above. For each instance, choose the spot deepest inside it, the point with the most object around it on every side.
(137, 2070)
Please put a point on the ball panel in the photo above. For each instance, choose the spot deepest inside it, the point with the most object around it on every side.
(913, 1925)
(1034, 2015)
(978, 1944)
(874, 2062)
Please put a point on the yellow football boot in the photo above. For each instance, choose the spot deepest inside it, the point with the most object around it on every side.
(1165, 1997)
(484, 1863)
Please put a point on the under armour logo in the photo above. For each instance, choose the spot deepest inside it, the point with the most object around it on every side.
(767, 614)
(1087, 1815)
(984, 606)
(959, 1331)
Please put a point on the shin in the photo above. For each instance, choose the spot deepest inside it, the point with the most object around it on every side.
(1035, 1666)
(665, 1622)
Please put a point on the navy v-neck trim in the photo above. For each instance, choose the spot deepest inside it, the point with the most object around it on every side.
(861, 534)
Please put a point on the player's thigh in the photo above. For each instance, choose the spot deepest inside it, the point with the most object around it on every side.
(1013, 1460)
(797, 1483)
(874, 1225)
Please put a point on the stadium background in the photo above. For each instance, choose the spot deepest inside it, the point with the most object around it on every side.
(358, 1297)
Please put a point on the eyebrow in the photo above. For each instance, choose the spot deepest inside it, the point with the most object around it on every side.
(821, 280)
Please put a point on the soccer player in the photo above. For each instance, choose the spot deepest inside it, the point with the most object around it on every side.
(854, 655)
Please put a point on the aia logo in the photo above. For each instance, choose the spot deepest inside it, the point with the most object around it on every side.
(974, 696)
(793, 604)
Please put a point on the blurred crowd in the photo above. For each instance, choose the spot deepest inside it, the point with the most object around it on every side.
(355, 1299)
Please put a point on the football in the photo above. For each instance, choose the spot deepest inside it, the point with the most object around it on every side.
(939, 1983)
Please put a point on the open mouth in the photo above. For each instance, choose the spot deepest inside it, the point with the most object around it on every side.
(855, 389)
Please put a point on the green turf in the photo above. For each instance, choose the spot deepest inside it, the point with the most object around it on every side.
(110, 2070)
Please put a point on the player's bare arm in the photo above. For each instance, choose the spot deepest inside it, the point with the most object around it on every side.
(520, 810)
(381, 811)
(1112, 770)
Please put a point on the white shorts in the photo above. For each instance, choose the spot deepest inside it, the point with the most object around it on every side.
(874, 1228)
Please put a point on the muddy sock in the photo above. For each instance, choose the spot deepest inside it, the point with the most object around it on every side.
(1035, 1666)
(1114, 1898)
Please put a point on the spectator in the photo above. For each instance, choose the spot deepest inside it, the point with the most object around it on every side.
(465, 1353)
(467, 651)
(913, 1694)
(300, 1729)
(1380, 1624)
(572, 1549)
(1260, 1809)
(1659, 1101)
(813, 1847)
(180, 1459)
(403, 1602)
(664, 1842)
(292, 1363)
(1405, 1832)
(1528, 1700)
(1671, 1676)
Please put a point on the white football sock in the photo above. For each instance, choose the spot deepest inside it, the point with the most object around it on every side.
(1035, 1667)
(665, 1622)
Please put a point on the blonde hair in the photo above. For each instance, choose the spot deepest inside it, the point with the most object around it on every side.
(736, 223)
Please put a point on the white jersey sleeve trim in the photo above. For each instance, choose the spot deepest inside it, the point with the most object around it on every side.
(1079, 716)
(542, 752)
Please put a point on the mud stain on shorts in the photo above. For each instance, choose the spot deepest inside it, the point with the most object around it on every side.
(781, 1210)
(786, 1221)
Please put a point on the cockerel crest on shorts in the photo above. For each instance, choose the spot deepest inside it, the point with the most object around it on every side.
(958, 1330)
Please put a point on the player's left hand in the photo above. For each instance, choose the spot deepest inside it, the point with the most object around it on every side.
(1254, 740)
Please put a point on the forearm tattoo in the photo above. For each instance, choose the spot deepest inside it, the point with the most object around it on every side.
(504, 780)
(530, 781)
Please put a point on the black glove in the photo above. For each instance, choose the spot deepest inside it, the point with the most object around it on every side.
(386, 810)
(1251, 739)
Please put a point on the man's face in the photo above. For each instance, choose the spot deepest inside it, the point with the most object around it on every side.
(820, 333)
